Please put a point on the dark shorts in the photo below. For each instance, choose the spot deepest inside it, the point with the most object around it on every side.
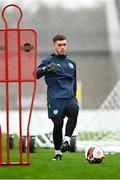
(56, 107)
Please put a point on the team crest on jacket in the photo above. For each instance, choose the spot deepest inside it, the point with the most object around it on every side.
(55, 111)
(71, 65)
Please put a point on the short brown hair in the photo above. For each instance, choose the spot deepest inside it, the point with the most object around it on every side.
(59, 37)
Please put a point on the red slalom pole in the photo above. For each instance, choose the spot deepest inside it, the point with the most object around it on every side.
(0, 146)
(7, 99)
(19, 96)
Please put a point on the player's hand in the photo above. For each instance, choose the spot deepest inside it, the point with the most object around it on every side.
(51, 68)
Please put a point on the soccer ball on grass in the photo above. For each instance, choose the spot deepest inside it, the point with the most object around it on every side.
(94, 154)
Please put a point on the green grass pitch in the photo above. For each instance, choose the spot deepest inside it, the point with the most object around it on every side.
(72, 166)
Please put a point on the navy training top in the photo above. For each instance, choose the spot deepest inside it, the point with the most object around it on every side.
(62, 83)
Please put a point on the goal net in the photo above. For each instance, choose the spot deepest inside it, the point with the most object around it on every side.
(103, 128)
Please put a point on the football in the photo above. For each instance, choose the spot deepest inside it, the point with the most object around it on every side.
(94, 154)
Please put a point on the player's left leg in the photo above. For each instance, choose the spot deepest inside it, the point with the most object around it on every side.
(72, 113)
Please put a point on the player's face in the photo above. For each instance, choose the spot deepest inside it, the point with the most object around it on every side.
(60, 47)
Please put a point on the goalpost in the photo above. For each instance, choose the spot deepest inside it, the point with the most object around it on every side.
(103, 129)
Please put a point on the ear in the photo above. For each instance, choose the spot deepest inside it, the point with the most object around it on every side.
(54, 45)
(53, 48)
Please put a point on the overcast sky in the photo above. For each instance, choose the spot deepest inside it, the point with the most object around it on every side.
(66, 3)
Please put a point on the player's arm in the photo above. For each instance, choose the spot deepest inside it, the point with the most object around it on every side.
(44, 68)
(75, 82)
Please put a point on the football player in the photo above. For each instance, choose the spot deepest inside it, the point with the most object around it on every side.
(60, 77)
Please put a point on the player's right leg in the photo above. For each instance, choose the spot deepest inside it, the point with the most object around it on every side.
(56, 113)
(57, 136)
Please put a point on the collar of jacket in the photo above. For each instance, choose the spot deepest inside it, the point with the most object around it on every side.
(59, 56)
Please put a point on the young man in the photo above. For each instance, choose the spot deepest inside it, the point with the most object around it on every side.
(60, 77)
